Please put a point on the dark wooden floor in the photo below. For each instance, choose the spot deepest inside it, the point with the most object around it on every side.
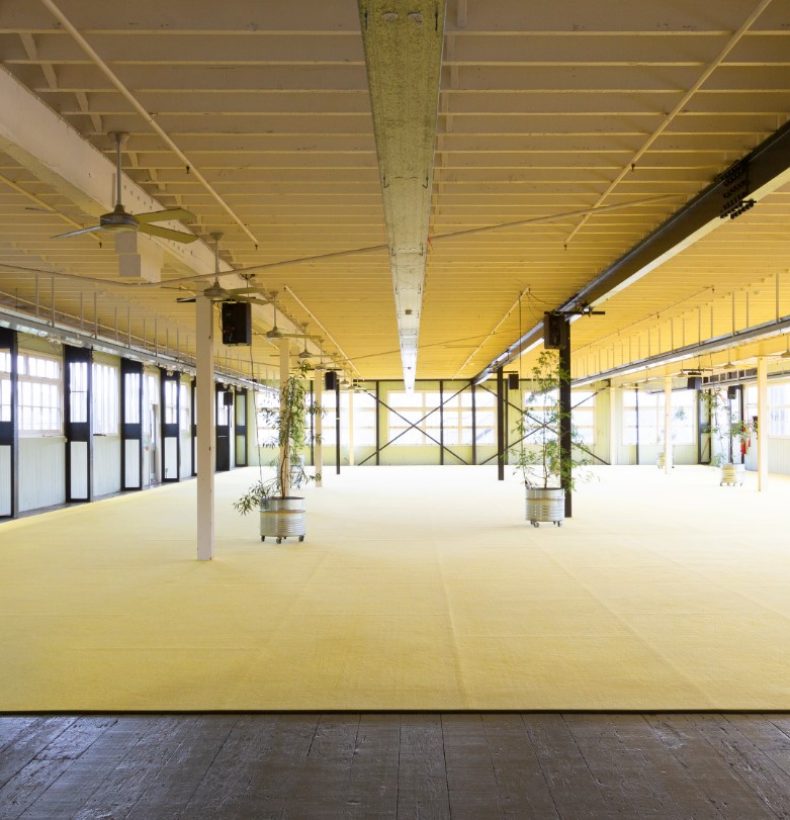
(406, 766)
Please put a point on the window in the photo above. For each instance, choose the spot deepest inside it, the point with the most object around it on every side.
(171, 401)
(5, 385)
(583, 415)
(409, 408)
(105, 399)
(78, 392)
(779, 409)
(651, 417)
(185, 393)
(40, 390)
(266, 399)
(131, 403)
(364, 420)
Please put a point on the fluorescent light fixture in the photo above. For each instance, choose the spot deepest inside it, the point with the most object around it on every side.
(405, 41)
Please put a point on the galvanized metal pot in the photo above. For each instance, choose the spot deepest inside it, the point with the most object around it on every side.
(545, 504)
(283, 518)
(732, 474)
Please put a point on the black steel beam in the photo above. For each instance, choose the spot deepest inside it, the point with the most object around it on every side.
(761, 171)
(500, 424)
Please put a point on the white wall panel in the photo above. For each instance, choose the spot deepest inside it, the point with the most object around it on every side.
(42, 472)
(106, 465)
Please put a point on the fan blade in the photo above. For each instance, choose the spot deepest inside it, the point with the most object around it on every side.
(79, 232)
(185, 299)
(166, 233)
(256, 291)
(179, 214)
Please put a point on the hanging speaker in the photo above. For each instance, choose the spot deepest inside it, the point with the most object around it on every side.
(512, 381)
(227, 398)
(555, 331)
(236, 323)
(330, 380)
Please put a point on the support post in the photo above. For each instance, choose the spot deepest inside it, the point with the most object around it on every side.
(318, 427)
(205, 427)
(667, 423)
(500, 424)
(566, 441)
(762, 424)
(613, 431)
(337, 426)
(351, 427)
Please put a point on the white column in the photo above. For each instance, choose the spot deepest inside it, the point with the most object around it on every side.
(667, 423)
(351, 427)
(284, 465)
(614, 432)
(206, 402)
(318, 427)
(762, 423)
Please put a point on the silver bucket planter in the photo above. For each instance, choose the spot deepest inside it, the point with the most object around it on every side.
(545, 504)
(283, 518)
(732, 474)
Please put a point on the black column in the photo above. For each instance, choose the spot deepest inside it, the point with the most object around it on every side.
(78, 422)
(193, 425)
(170, 401)
(222, 427)
(9, 424)
(131, 425)
(441, 421)
(566, 442)
(500, 424)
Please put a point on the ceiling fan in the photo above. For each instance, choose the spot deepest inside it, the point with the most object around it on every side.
(216, 293)
(119, 219)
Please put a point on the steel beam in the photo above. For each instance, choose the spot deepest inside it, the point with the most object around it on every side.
(762, 171)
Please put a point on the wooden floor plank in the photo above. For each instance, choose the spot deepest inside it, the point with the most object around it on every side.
(422, 774)
(373, 784)
(352, 766)
(714, 776)
(574, 790)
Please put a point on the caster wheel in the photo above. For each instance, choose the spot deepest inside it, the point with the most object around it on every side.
(301, 538)
(535, 523)
(279, 540)
(263, 538)
(558, 523)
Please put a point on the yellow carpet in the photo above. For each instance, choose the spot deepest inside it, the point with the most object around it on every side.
(417, 588)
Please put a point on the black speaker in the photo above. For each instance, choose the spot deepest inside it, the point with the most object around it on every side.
(236, 323)
(732, 391)
(555, 331)
(227, 398)
(330, 380)
(512, 381)
(694, 383)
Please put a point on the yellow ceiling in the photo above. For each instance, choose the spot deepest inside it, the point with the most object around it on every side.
(544, 108)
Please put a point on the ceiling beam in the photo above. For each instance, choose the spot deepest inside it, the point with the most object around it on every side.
(761, 172)
(403, 55)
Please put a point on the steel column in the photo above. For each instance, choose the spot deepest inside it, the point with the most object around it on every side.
(566, 440)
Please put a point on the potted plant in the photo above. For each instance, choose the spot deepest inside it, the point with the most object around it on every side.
(726, 432)
(538, 454)
(282, 515)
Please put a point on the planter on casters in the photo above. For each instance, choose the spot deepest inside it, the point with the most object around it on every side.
(283, 518)
(545, 504)
(732, 474)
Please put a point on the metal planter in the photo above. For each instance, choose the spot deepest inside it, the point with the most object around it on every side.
(283, 518)
(732, 475)
(545, 504)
